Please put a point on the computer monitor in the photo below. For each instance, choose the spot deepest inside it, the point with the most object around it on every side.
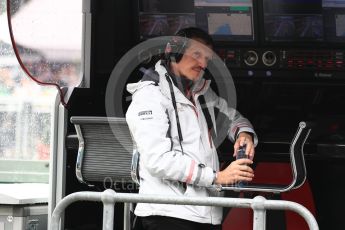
(164, 17)
(334, 20)
(226, 20)
(293, 20)
(153, 25)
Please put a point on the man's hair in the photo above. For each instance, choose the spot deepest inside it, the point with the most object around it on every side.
(196, 33)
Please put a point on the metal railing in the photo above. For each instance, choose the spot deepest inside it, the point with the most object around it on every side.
(109, 197)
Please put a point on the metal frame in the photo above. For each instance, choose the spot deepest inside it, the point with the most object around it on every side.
(279, 189)
(109, 197)
(302, 125)
(86, 43)
(57, 171)
(80, 156)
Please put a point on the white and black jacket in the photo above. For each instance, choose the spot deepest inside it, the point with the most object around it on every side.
(164, 168)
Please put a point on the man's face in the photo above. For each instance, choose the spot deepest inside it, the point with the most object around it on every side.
(193, 61)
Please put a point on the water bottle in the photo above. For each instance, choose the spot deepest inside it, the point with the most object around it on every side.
(241, 153)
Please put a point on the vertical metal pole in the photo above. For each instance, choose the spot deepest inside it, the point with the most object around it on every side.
(259, 221)
(108, 216)
(126, 216)
(108, 209)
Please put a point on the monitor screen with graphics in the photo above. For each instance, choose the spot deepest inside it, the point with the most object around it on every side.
(334, 20)
(224, 20)
(291, 20)
(164, 17)
(304, 20)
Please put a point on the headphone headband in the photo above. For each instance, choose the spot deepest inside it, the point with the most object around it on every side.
(177, 45)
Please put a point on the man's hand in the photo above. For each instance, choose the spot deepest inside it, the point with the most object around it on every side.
(245, 138)
(237, 171)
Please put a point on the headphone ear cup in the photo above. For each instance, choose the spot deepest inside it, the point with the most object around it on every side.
(175, 48)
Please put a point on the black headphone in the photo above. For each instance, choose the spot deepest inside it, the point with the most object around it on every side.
(176, 47)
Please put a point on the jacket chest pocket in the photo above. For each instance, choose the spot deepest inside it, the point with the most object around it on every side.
(189, 122)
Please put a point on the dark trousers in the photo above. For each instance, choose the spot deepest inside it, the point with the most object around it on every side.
(170, 223)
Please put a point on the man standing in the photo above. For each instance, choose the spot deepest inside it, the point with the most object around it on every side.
(173, 134)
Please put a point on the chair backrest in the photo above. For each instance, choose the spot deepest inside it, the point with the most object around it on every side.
(298, 168)
(105, 149)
